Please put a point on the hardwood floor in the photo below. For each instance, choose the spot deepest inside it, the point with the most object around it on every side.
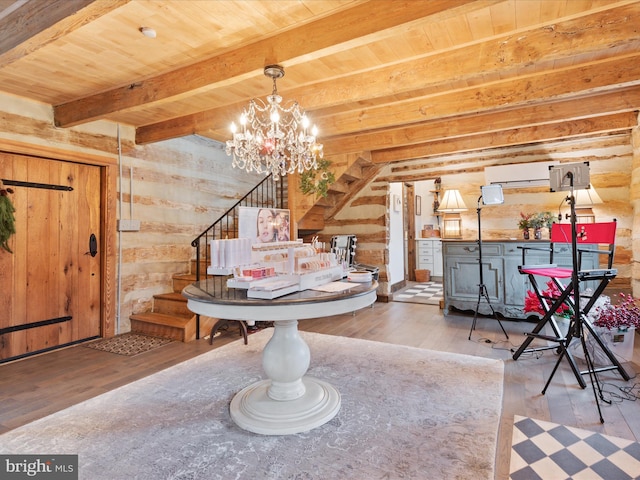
(38, 386)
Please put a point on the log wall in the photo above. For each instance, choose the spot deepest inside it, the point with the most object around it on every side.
(179, 188)
(634, 201)
(611, 160)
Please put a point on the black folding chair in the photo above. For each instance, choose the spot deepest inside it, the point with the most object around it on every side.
(590, 237)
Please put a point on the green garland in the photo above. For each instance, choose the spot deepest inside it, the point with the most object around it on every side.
(309, 184)
(7, 220)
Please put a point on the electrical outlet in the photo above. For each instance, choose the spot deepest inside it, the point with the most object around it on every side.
(125, 225)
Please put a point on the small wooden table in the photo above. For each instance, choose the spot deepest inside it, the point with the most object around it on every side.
(288, 401)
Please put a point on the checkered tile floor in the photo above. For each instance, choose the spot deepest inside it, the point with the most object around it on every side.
(424, 292)
(545, 450)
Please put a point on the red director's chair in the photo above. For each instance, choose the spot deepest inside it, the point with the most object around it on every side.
(589, 237)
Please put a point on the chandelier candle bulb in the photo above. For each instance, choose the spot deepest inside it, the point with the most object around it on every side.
(274, 137)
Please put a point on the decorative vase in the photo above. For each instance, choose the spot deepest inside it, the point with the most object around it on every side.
(525, 233)
(537, 233)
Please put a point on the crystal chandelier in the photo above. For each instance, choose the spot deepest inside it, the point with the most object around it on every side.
(274, 138)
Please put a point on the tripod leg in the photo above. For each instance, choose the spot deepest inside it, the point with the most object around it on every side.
(482, 292)
(486, 296)
(555, 367)
(563, 345)
(475, 315)
(593, 376)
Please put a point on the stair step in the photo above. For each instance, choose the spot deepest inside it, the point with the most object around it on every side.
(155, 324)
(171, 304)
(184, 279)
(339, 187)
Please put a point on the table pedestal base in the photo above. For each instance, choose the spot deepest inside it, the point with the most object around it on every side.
(252, 409)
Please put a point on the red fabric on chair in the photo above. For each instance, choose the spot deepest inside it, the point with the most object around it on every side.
(553, 272)
(604, 232)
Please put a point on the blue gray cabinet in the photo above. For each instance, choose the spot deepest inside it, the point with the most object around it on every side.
(506, 287)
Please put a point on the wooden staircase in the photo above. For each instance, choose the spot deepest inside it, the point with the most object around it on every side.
(170, 317)
(352, 172)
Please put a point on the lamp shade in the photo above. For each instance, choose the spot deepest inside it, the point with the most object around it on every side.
(587, 197)
(452, 202)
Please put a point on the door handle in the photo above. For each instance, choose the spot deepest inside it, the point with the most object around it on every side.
(93, 246)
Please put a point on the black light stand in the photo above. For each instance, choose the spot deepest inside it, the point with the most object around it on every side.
(576, 324)
(482, 288)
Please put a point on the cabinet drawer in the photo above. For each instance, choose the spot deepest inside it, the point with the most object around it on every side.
(422, 261)
(488, 249)
(425, 248)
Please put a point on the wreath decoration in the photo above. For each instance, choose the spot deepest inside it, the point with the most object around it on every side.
(7, 220)
(317, 180)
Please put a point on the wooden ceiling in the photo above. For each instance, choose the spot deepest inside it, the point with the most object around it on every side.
(401, 79)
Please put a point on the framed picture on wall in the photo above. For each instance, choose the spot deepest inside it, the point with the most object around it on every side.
(418, 205)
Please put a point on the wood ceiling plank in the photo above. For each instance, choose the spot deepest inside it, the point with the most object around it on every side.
(474, 65)
(619, 101)
(37, 23)
(527, 13)
(519, 91)
(503, 19)
(321, 37)
(519, 136)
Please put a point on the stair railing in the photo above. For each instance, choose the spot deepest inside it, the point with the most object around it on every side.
(267, 194)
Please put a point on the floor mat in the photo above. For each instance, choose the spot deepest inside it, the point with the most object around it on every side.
(128, 344)
(429, 293)
(544, 450)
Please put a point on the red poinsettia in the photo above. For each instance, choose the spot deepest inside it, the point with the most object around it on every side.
(532, 303)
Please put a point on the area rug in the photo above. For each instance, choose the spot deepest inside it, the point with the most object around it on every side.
(128, 344)
(406, 413)
(429, 293)
(543, 450)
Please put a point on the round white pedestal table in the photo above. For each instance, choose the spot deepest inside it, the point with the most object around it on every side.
(288, 401)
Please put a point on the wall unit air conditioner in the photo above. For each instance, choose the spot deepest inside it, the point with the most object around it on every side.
(519, 175)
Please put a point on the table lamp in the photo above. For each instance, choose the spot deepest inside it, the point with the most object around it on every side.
(585, 199)
(451, 206)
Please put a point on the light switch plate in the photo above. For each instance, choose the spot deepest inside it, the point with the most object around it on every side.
(125, 225)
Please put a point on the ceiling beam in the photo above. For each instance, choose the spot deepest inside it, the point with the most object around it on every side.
(501, 57)
(37, 23)
(322, 37)
(525, 89)
(505, 138)
(597, 104)
(512, 92)
(523, 52)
